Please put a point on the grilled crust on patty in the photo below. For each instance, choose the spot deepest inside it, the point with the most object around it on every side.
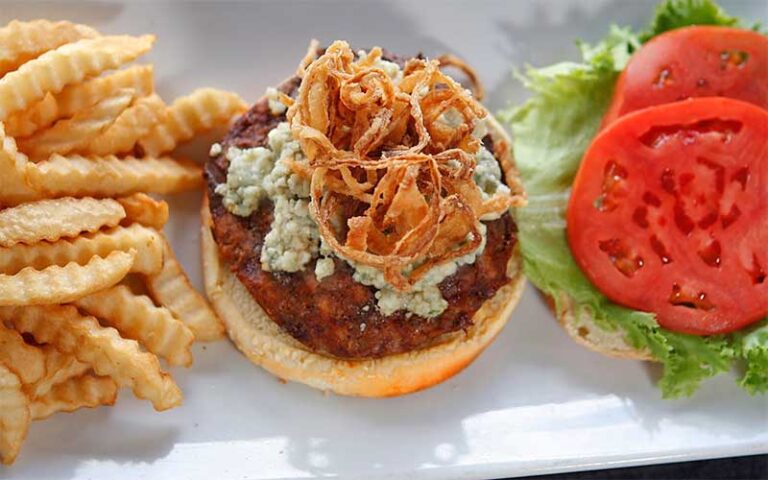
(338, 316)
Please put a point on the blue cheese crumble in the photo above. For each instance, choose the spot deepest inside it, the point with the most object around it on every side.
(264, 172)
(324, 268)
(276, 107)
(488, 178)
(423, 299)
(392, 69)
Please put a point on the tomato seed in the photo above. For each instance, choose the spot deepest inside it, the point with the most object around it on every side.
(756, 272)
(733, 59)
(711, 254)
(640, 217)
(708, 220)
(668, 181)
(682, 220)
(698, 301)
(718, 169)
(660, 250)
(664, 78)
(731, 217)
(620, 256)
(741, 176)
(651, 199)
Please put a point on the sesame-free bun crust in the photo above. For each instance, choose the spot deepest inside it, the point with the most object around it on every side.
(265, 344)
(581, 327)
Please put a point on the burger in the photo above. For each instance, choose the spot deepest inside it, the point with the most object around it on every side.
(357, 234)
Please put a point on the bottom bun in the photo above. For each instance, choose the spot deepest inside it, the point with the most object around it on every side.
(265, 344)
(581, 327)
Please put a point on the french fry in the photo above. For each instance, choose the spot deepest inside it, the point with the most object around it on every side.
(81, 96)
(23, 41)
(109, 354)
(142, 209)
(54, 219)
(172, 289)
(26, 361)
(78, 176)
(76, 133)
(40, 115)
(56, 284)
(146, 242)
(71, 63)
(59, 367)
(137, 318)
(14, 415)
(15, 185)
(198, 112)
(134, 123)
(85, 391)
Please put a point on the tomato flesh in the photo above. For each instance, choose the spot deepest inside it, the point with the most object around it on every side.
(669, 214)
(701, 61)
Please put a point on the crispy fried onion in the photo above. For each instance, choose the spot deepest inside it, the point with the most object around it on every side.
(449, 60)
(391, 178)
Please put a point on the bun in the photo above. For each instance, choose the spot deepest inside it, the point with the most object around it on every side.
(582, 328)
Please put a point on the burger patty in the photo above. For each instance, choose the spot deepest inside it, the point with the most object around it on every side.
(338, 316)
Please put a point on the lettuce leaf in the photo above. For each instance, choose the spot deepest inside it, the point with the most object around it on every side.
(682, 13)
(752, 346)
(551, 131)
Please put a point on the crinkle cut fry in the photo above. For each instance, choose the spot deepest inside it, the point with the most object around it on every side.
(15, 184)
(387, 145)
(80, 96)
(68, 64)
(59, 367)
(26, 122)
(132, 124)
(77, 132)
(171, 288)
(146, 242)
(111, 176)
(14, 415)
(142, 209)
(26, 361)
(202, 110)
(109, 354)
(53, 219)
(23, 41)
(137, 318)
(84, 391)
(57, 284)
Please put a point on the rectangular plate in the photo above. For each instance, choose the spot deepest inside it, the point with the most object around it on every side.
(534, 402)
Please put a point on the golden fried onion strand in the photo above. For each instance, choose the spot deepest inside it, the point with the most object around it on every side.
(449, 60)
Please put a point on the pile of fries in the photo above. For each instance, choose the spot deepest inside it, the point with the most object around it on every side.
(91, 295)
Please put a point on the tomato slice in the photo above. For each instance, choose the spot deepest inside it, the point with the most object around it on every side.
(669, 214)
(688, 62)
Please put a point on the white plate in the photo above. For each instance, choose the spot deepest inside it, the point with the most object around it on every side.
(535, 402)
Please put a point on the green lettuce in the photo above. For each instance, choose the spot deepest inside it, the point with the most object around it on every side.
(551, 131)
(682, 13)
(752, 345)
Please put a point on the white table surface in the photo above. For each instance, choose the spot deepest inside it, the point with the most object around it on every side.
(535, 402)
